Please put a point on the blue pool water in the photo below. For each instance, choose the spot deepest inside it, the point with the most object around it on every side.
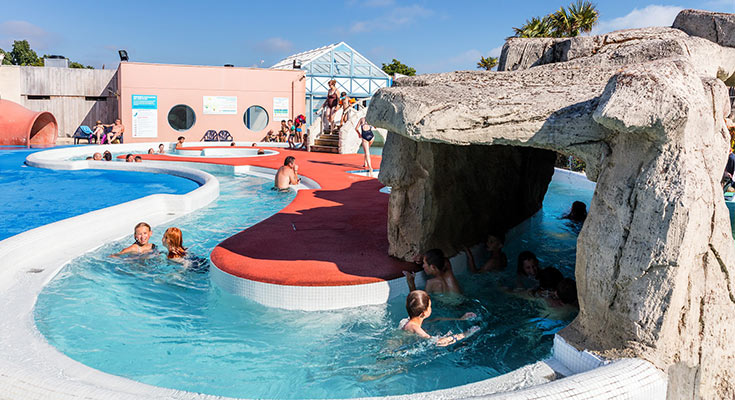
(163, 324)
(31, 197)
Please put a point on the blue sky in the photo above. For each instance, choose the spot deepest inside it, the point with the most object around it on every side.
(431, 36)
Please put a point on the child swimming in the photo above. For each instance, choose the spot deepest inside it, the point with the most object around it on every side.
(173, 241)
(527, 271)
(142, 234)
(439, 269)
(497, 261)
(418, 306)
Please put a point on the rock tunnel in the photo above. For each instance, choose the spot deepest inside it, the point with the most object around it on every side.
(645, 109)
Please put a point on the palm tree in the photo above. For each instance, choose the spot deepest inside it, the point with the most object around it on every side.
(487, 63)
(585, 15)
(535, 27)
(578, 18)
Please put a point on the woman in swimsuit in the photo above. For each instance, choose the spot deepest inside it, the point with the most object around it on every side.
(331, 102)
(365, 132)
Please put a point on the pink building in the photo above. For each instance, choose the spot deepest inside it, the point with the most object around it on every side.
(160, 102)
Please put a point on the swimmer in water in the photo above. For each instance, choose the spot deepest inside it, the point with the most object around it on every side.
(141, 234)
(418, 306)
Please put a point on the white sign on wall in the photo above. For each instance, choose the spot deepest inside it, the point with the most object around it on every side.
(220, 104)
(280, 109)
(145, 116)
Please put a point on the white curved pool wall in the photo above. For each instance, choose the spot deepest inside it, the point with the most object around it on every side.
(221, 152)
(30, 368)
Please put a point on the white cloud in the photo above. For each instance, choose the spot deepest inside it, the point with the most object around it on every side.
(653, 15)
(274, 45)
(396, 18)
(495, 51)
(37, 37)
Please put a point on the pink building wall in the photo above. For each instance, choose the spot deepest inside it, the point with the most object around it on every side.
(187, 84)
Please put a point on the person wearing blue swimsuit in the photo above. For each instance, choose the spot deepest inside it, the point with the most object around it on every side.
(365, 132)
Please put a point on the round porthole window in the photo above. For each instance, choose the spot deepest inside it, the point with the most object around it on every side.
(181, 117)
(255, 118)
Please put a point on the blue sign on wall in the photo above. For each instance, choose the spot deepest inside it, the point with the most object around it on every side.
(145, 101)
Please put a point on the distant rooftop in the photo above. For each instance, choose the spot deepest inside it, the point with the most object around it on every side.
(333, 59)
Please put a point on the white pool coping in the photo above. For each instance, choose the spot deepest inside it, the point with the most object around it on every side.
(30, 368)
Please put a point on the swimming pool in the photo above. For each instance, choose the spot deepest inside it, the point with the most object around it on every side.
(32, 197)
(157, 323)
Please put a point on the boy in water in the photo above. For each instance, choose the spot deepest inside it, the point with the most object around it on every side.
(180, 142)
(497, 261)
(439, 269)
(418, 306)
(141, 234)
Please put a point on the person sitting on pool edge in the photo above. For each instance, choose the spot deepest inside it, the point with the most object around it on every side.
(287, 175)
(418, 307)
(439, 269)
(497, 261)
(180, 142)
(142, 234)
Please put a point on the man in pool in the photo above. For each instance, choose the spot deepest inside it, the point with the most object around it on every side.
(180, 142)
(287, 174)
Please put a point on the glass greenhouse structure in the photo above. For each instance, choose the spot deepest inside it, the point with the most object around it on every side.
(354, 74)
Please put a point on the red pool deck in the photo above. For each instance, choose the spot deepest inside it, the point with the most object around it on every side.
(333, 236)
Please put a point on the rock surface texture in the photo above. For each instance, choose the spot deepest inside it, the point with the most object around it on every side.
(645, 110)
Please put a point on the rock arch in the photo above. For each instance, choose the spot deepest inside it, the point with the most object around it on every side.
(645, 110)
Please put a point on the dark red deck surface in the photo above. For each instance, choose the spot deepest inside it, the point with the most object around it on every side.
(333, 236)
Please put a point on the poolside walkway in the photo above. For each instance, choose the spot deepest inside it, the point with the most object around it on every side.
(333, 236)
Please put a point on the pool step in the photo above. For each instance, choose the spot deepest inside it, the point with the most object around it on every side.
(320, 141)
(324, 149)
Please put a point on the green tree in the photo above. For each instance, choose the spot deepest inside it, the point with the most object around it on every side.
(74, 64)
(22, 54)
(579, 17)
(487, 63)
(7, 59)
(535, 27)
(396, 67)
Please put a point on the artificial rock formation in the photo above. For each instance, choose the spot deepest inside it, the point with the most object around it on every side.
(645, 110)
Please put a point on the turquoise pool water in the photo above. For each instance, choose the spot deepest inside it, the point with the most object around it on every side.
(162, 324)
(32, 197)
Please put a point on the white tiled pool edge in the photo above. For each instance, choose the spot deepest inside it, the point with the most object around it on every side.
(30, 368)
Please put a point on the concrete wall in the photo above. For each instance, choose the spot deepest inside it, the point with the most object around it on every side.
(185, 84)
(75, 96)
(10, 83)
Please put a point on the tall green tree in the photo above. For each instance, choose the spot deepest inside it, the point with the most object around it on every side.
(22, 54)
(580, 17)
(487, 63)
(397, 67)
